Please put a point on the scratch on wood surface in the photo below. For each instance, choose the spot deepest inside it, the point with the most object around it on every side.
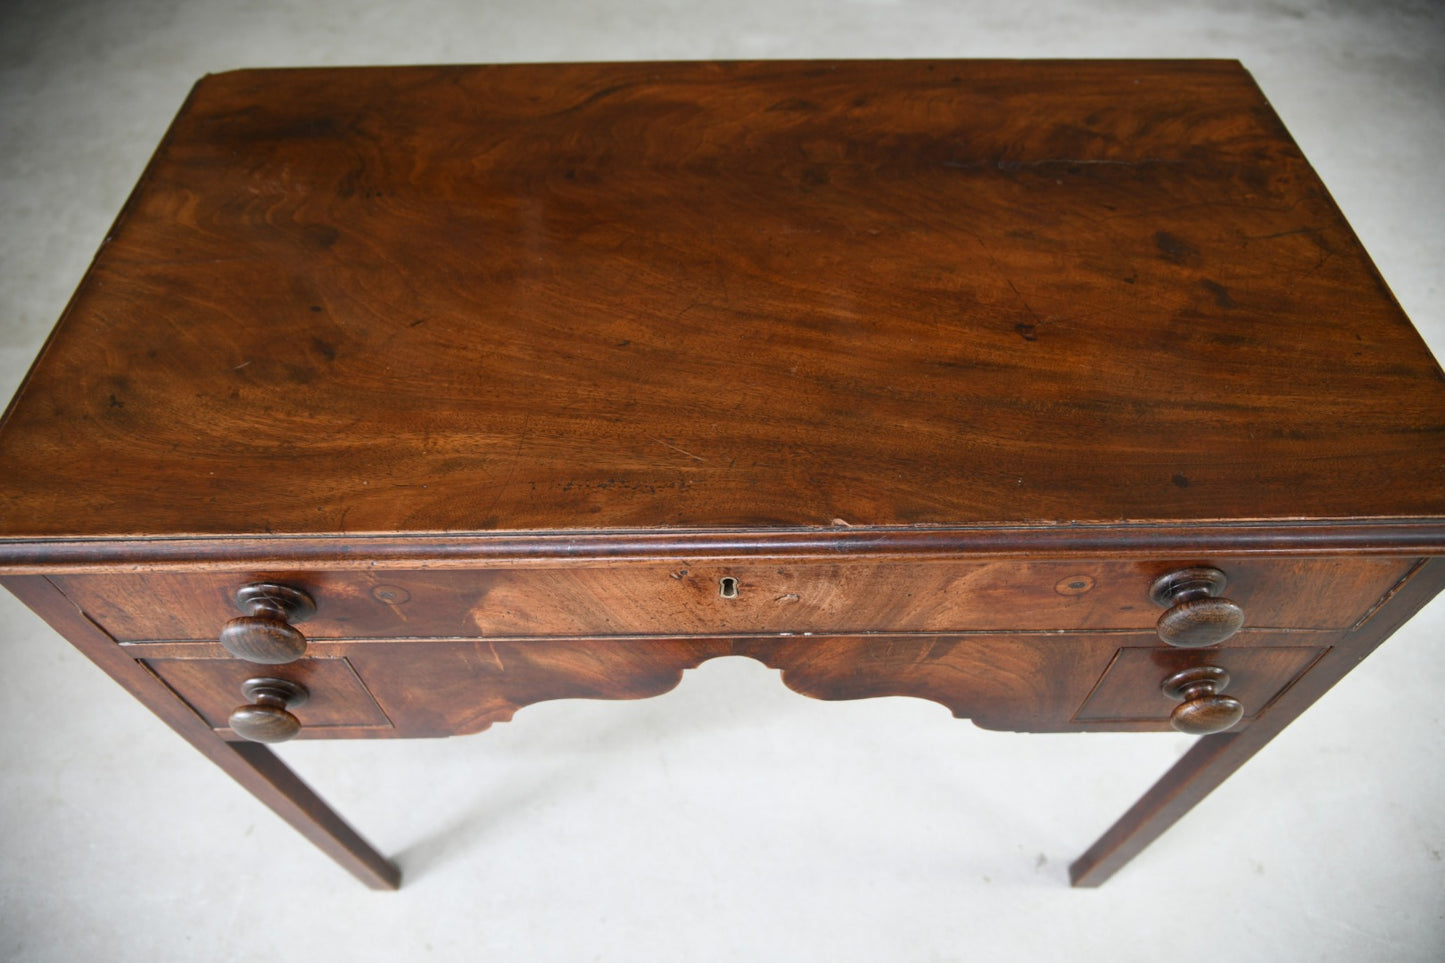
(1277, 234)
(515, 461)
(681, 451)
(1081, 162)
(1027, 307)
(496, 656)
(180, 261)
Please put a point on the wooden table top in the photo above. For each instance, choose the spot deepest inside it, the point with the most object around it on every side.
(736, 297)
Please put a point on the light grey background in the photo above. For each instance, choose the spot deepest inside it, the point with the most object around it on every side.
(731, 819)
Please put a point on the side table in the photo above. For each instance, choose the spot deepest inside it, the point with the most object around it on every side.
(397, 399)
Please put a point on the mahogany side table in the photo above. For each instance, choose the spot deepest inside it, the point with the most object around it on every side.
(397, 399)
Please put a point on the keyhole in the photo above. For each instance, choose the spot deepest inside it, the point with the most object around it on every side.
(728, 587)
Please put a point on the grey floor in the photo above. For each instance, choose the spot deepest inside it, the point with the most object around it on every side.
(729, 820)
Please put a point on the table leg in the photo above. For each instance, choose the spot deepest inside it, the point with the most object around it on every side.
(1205, 766)
(252, 765)
(1214, 758)
(271, 781)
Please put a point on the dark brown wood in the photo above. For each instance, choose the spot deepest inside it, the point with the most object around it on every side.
(1288, 538)
(1011, 682)
(1196, 614)
(724, 296)
(264, 634)
(438, 687)
(903, 378)
(265, 717)
(1215, 758)
(254, 767)
(1015, 683)
(263, 641)
(1200, 622)
(210, 685)
(1259, 669)
(1202, 709)
(804, 593)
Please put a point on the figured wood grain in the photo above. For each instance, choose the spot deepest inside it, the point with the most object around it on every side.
(1018, 683)
(683, 596)
(515, 368)
(461, 687)
(712, 297)
(1013, 681)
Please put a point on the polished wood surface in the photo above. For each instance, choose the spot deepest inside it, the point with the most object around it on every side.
(214, 688)
(724, 296)
(265, 634)
(1196, 614)
(252, 765)
(809, 592)
(1203, 708)
(267, 716)
(400, 399)
(1101, 681)
(1215, 758)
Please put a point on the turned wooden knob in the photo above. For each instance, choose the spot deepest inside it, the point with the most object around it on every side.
(266, 718)
(1203, 710)
(1196, 615)
(265, 633)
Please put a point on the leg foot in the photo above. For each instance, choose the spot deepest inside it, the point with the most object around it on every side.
(271, 781)
(1190, 779)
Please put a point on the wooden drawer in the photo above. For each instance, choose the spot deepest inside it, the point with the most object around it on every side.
(1130, 690)
(337, 698)
(1026, 682)
(718, 597)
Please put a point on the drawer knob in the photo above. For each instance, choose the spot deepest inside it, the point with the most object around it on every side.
(1196, 615)
(265, 633)
(1203, 710)
(266, 718)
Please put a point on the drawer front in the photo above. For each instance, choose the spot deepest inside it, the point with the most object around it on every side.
(337, 699)
(1036, 683)
(713, 597)
(1131, 689)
